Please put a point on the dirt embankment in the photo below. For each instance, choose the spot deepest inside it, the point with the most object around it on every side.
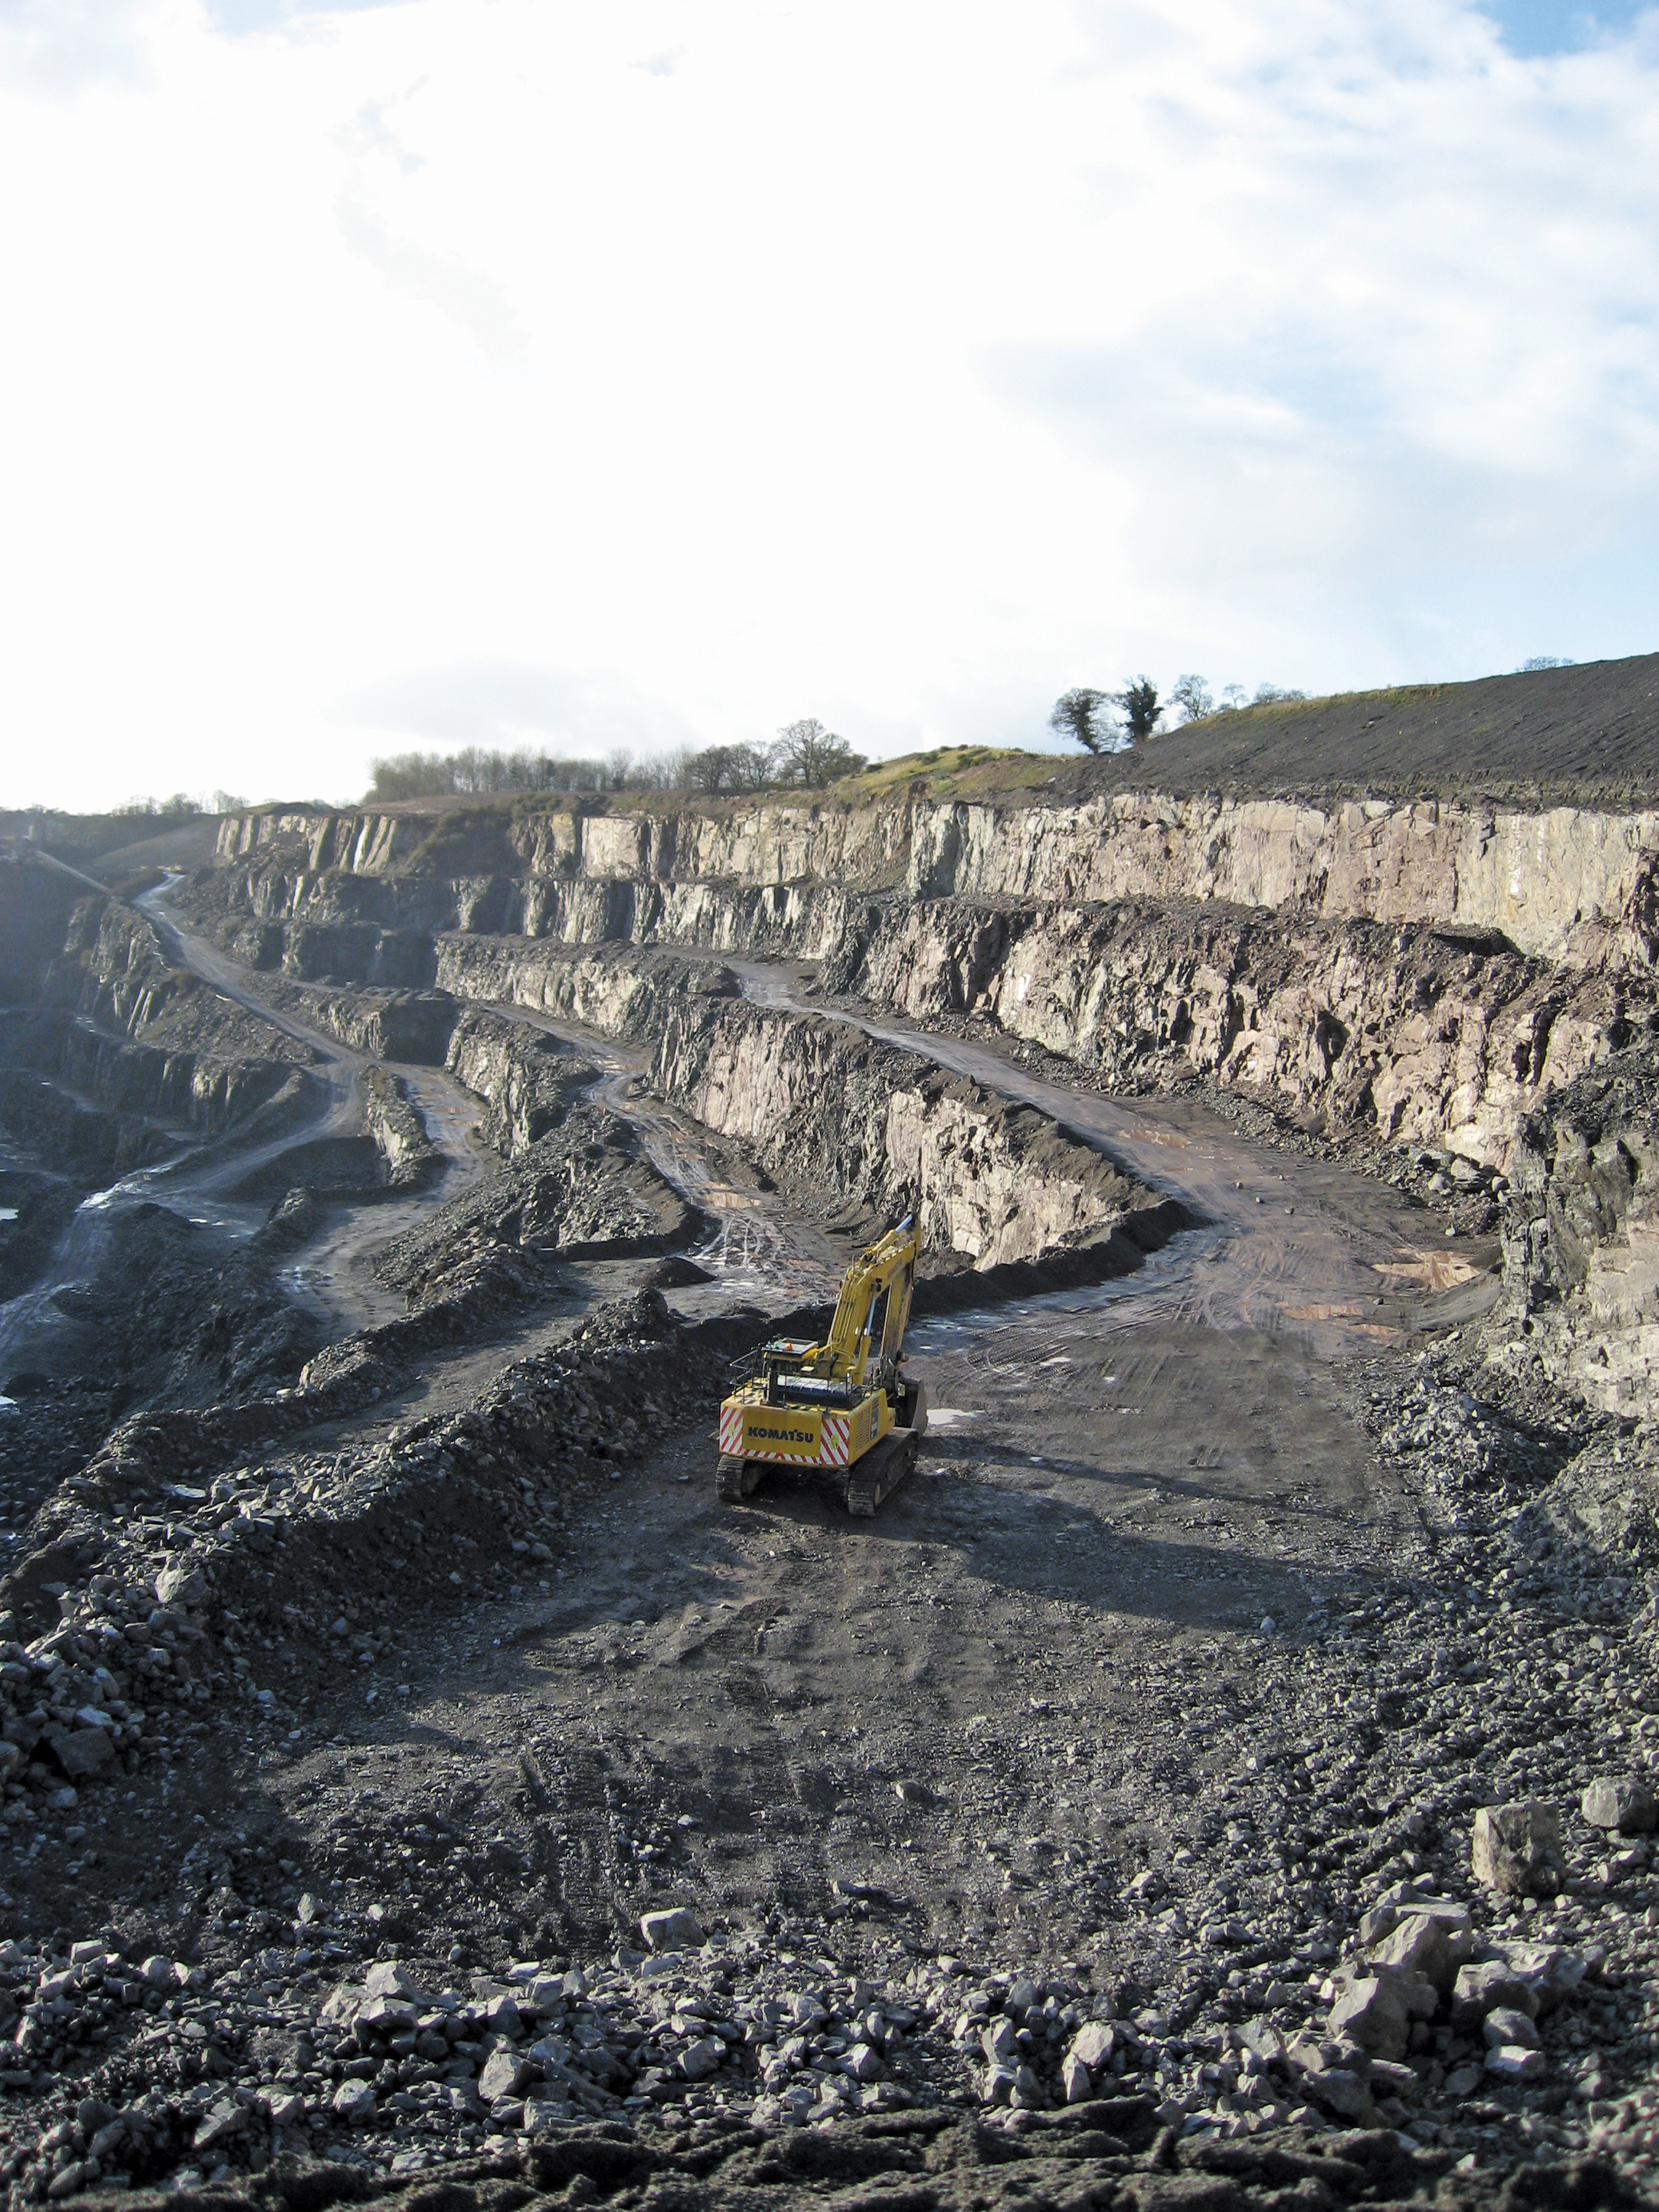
(580, 1191)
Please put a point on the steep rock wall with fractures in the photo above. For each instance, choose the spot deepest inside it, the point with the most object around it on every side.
(1554, 882)
(825, 1109)
(1418, 1035)
(146, 1038)
(822, 1108)
(1581, 1240)
(1420, 972)
(526, 1081)
(612, 989)
(1413, 1035)
(393, 1123)
(377, 930)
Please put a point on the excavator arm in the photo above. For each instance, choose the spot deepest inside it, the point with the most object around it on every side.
(887, 1270)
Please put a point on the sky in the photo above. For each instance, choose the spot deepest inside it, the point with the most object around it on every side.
(588, 375)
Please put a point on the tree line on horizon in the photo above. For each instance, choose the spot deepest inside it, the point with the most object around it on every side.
(1112, 721)
(803, 756)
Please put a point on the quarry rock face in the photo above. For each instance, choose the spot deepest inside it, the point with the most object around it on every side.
(1432, 969)
(1581, 1236)
(1422, 1038)
(1552, 883)
(1545, 882)
(987, 1181)
(1226, 1769)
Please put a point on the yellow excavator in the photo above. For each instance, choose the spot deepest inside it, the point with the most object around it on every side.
(842, 1409)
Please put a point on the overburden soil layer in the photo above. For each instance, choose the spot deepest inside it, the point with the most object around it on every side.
(1219, 1775)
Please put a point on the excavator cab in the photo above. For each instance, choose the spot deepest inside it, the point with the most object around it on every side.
(842, 1407)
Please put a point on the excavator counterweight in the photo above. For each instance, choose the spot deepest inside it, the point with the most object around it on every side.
(842, 1409)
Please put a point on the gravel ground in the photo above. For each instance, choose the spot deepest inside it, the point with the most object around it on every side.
(1265, 1926)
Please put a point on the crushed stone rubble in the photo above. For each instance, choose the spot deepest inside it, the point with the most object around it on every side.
(1406, 1925)
(1437, 2024)
(1433, 1910)
(1430, 1916)
(167, 1592)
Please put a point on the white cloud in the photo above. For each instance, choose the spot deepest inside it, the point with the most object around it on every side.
(580, 714)
(57, 46)
(474, 301)
(653, 372)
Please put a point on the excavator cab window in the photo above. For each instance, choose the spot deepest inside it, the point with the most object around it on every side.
(875, 1324)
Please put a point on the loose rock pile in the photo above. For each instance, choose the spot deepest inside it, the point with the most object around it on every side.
(164, 1590)
(580, 1192)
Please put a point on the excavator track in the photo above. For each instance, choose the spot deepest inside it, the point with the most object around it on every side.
(737, 1479)
(880, 1472)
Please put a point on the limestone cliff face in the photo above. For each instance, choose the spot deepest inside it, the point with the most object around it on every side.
(608, 989)
(822, 1108)
(525, 1081)
(1430, 972)
(148, 1039)
(1580, 1239)
(1426, 1036)
(1554, 883)
(1551, 883)
(374, 929)
(394, 1124)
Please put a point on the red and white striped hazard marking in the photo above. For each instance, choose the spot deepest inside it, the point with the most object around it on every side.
(834, 1444)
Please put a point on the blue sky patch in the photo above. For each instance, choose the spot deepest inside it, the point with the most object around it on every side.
(239, 16)
(1562, 27)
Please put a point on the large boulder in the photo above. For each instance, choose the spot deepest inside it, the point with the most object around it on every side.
(1490, 1985)
(1419, 1945)
(80, 1752)
(1373, 2012)
(1517, 1850)
(675, 1929)
(504, 2074)
(1623, 1803)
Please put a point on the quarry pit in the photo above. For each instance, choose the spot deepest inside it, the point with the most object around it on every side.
(1223, 1770)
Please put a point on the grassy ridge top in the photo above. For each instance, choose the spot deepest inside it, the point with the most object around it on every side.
(1585, 736)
